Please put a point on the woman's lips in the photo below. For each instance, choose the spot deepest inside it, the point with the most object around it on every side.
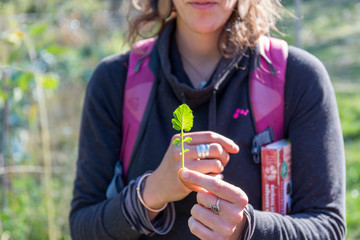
(202, 4)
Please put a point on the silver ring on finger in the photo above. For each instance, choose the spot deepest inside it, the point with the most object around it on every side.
(215, 208)
(203, 150)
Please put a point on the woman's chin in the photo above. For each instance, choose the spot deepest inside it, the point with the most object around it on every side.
(206, 28)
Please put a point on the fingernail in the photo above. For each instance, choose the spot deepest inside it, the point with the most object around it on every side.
(220, 176)
(237, 148)
(184, 174)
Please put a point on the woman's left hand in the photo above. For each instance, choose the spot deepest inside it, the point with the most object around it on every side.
(230, 201)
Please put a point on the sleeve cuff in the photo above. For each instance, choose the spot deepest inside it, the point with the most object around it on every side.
(137, 215)
(249, 226)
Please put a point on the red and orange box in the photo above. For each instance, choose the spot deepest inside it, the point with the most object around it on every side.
(276, 177)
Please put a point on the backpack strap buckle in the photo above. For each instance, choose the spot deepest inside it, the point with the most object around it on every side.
(259, 140)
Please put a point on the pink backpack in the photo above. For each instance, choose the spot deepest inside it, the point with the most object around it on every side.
(266, 94)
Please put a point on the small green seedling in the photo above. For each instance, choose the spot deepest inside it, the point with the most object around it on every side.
(182, 121)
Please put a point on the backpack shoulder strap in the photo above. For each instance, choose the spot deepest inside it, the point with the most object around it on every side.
(138, 86)
(267, 86)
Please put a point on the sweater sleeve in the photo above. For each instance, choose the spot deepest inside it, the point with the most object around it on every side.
(318, 163)
(93, 216)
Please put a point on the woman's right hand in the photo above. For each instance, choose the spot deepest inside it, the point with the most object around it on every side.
(164, 186)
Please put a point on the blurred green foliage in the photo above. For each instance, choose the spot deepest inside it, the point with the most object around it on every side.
(59, 44)
(349, 109)
(67, 39)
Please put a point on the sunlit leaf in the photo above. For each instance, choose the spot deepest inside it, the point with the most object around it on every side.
(3, 95)
(183, 118)
(37, 29)
(15, 55)
(176, 124)
(188, 139)
(24, 81)
(2, 98)
(56, 49)
(177, 142)
(50, 82)
(182, 121)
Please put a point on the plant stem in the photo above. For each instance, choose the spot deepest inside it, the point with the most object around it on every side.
(182, 148)
(182, 144)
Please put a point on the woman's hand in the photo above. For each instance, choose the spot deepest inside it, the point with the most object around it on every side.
(164, 185)
(226, 220)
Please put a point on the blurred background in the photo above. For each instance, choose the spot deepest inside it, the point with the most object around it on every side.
(48, 51)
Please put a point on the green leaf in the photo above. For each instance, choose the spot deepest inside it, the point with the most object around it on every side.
(3, 95)
(176, 124)
(177, 142)
(188, 139)
(50, 82)
(186, 150)
(15, 55)
(2, 98)
(37, 29)
(183, 118)
(24, 81)
(56, 49)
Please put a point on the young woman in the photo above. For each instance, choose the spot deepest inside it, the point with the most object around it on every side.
(203, 56)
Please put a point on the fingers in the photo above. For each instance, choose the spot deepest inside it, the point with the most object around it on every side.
(216, 186)
(215, 175)
(205, 166)
(216, 151)
(207, 225)
(219, 146)
(201, 231)
(212, 137)
(232, 212)
(224, 221)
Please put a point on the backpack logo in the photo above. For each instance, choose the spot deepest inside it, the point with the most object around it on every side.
(239, 112)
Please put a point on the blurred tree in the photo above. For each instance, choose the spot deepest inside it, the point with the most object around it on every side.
(3, 144)
(298, 23)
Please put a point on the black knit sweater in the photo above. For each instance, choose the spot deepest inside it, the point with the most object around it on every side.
(311, 123)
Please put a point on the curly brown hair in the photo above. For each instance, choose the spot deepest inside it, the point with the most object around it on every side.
(237, 34)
